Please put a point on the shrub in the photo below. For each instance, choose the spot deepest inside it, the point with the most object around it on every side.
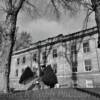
(49, 78)
(26, 76)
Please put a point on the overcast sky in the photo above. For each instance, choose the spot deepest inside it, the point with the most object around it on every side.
(44, 27)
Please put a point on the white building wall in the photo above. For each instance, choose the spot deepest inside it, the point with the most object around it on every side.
(63, 66)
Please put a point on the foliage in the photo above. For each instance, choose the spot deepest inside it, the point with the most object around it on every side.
(23, 41)
(26, 76)
(1, 31)
(49, 78)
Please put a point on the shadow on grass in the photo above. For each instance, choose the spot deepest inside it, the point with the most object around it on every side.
(89, 91)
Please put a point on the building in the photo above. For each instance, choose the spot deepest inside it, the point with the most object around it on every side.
(74, 53)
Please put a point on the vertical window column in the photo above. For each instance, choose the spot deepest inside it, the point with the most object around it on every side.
(74, 57)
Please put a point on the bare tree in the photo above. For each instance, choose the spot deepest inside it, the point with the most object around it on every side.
(70, 54)
(12, 9)
(75, 5)
(72, 49)
(23, 41)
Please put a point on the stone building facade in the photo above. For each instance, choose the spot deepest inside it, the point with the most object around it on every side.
(77, 51)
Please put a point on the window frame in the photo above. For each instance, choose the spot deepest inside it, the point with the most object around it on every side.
(16, 73)
(23, 60)
(55, 68)
(23, 70)
(74, 67)
(86, 49)
(88, 66)
(54, 53)
(35, 57)
(18, 61)
(73, 49)
(44, 55)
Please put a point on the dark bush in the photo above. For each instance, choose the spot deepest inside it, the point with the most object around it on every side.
(49, 78)
(26, 76)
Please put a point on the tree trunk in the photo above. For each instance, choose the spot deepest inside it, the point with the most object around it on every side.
(39, 51)
(74, 67)
(9, 41)
(96, 8)
(97, 18)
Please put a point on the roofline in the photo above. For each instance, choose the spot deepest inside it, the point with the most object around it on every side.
(59, 38)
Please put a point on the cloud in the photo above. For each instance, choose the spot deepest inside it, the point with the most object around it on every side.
(41, 29)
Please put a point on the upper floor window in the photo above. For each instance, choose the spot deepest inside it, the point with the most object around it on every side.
(24, 60)
(88, 65)
(86, 47)
(55, 68)
(44, 55)
(22, 70)
(16, 73)
(54, 53)
(74, 67)
(34, 69)
(35, 57)
(73, 49)
(18, 60)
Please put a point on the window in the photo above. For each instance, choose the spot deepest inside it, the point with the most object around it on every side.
(24, 60)
(88, 65)
(35, 57)
(74, 67)
(55, 68)
(86, 47)
(44, 56)
(73, 49)
(34, 69)
(54, 53)
(18, 61)
(16, 73)
(22, 70)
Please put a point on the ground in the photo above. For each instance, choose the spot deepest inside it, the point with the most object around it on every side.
(54, 94)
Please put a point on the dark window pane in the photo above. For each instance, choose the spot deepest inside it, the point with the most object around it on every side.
(24, 60)
(86, 47)
(16, 73)
(55, 68)
(74, 66)
(88, 65)
(22, 70)
(35, 57)
(44, 56)
(18, 61)
(54, 53)
(73, 49)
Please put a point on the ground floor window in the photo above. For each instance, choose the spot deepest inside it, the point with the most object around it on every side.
(88, 65)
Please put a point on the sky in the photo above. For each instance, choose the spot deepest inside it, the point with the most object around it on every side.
(44, 27)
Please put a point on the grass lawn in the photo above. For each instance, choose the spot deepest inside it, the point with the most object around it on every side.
(51, 94)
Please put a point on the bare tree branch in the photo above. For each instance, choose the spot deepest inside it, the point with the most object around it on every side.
(33, 6)
(19, 5)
